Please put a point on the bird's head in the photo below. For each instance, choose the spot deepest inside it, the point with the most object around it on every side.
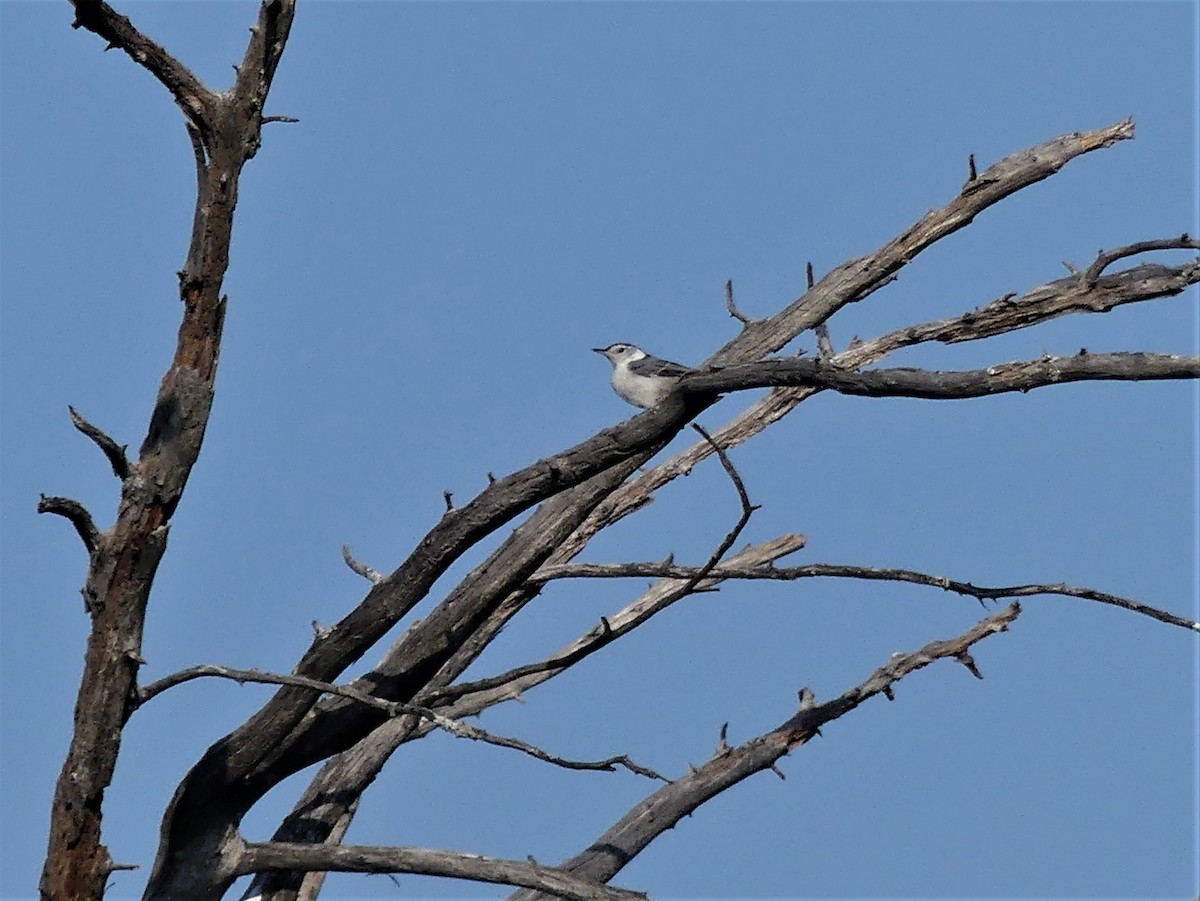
(621, 353)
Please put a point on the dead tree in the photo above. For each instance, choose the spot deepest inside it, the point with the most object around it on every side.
(354, 727)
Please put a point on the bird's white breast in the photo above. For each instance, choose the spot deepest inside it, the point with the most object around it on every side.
(640, 390)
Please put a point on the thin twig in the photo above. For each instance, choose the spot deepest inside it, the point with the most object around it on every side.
(732, 307)
(78, 516)
(391, 708)
(374, 576)
(867, 573)
(113, 451)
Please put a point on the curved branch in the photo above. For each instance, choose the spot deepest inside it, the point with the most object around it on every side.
(77, 514)
(866, 573)
(257, 857)
(664, 808)
(115, 453)
(1106, 258)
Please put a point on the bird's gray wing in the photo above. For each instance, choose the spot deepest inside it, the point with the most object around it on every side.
(653, 366)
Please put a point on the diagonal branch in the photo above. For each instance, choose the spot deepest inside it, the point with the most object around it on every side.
(664, 808)
(867, 573)
(113, 451)
(258, 857)
(196, 100)
(856, 279)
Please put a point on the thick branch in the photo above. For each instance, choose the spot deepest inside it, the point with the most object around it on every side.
(1000, 379)
(662, 810)
(867, 573)
(193, 97)
(256, 858)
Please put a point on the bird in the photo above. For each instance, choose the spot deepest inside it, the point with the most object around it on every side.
(639, 378)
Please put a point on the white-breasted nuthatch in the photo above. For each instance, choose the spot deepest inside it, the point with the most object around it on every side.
(639, 378)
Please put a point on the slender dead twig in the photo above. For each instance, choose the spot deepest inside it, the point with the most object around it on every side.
(392, 709)
(732, 307)
(373, 576)
(867, 573)
(115, 453)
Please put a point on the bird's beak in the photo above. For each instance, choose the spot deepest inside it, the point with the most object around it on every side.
(599, 350)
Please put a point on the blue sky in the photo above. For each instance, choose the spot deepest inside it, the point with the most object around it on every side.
(474, 197)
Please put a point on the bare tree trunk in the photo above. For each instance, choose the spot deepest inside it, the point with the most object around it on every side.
(123, 560)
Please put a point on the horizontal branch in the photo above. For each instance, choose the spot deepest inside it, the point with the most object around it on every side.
(113, 451)
(391, 708)
(257, 857)
(868, 573)
(664, 808)
(920, 383)
(78, 516)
